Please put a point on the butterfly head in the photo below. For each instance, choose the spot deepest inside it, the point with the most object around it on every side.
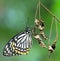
(28, 30)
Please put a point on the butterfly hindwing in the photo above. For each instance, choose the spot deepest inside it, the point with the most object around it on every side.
(19, 44)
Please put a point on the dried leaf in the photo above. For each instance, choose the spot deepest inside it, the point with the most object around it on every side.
(42, 44)
(50, 49)
(43, 35)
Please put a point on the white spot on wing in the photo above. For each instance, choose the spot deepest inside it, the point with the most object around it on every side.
(27, 42)
(21, 35)
(15, 38)
(21, 45)
(19, 40)
(23, 39)
(24, 45)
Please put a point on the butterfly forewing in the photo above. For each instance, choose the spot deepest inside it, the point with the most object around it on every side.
(19, 44)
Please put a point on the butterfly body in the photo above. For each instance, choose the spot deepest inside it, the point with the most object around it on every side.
(19, 44)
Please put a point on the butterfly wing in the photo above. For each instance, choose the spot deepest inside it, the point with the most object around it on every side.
(18, 45)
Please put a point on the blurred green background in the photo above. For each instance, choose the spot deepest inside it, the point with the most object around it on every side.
(14, 15)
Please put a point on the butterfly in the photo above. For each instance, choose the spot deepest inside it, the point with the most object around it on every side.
(19, 44)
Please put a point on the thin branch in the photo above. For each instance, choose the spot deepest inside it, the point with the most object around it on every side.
(50, 31)
(56, 30)
(49, 11)
(36, 10)
(39, 11)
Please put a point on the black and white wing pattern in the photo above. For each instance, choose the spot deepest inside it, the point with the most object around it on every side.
(19, 44)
